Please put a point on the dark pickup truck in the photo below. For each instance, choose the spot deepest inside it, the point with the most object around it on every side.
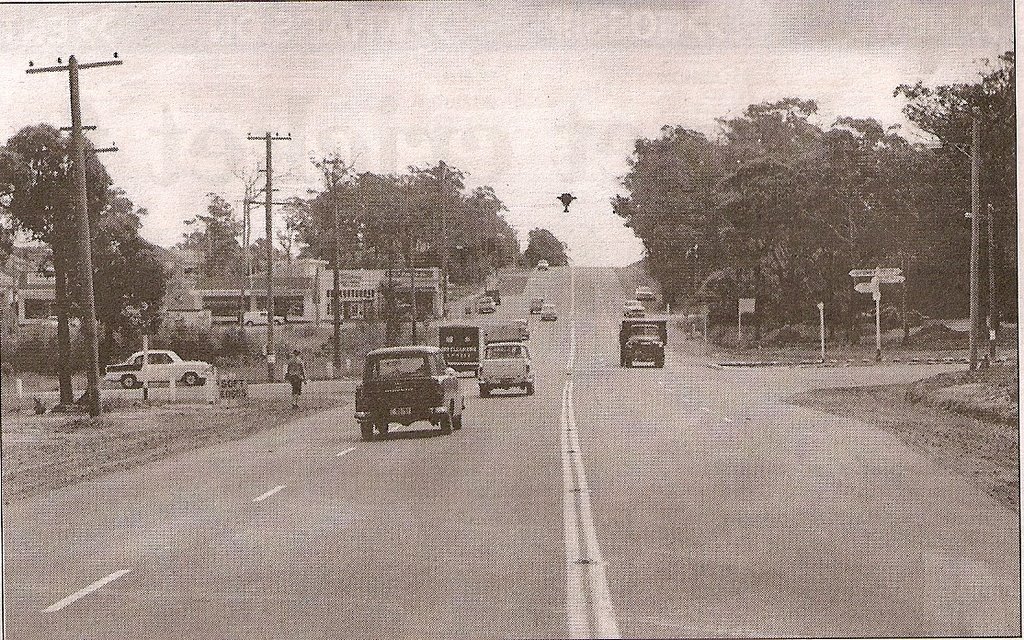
(643, 340)
(406, 385)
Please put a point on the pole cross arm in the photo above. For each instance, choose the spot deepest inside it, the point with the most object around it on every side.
(106, 150)
(84, 65)
(85, 127)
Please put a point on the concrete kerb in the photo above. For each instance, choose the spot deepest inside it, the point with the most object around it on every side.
(848, 363)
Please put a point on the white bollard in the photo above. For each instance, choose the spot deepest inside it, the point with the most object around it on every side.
(20, 386)
(348, 366)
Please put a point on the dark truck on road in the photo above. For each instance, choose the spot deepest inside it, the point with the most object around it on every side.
(460, 345)
(494, 294)
(643, 340)
(405, 385)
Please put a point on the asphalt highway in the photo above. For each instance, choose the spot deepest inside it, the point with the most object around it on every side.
(682, 501)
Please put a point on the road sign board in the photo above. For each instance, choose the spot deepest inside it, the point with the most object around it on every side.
(747, 305)
(866, 287)
(867, 273)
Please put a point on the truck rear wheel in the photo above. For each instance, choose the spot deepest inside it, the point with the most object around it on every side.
(659, 361)
(382, 427)
(529, 388)
(366, 430)
(446, 424)
(485, 391)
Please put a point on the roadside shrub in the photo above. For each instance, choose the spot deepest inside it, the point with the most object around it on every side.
(189, 342)
(34, 349)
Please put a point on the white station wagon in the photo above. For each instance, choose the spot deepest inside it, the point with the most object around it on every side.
(163, 366)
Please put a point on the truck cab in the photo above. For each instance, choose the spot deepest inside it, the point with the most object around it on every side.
(643, 340)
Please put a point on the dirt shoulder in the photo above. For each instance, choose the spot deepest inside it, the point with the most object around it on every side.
(41, 453)
(966, 421)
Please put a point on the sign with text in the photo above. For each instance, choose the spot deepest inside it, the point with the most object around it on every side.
(747, 305)
(233, 389)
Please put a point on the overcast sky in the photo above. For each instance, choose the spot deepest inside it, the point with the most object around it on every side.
(533, 100)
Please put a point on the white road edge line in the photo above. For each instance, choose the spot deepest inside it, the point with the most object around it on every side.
(349, 450)
(269, 493)
(602, 611)
(57, 606)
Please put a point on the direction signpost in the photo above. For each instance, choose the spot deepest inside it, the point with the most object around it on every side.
(879, 276)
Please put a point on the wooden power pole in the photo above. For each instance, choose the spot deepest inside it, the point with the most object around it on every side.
(80, 197)
(269, 204)
(975, 233)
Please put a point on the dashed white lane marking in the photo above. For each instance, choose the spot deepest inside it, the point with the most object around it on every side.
(269, 493)
(705, 409)
(728, 419)
(57, 606)
(349, 450)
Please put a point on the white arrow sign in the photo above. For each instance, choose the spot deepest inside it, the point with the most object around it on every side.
(888, 279)
(866, 287)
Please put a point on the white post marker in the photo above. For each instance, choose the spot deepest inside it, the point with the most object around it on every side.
(877, 295)
(19, 385)
(145, 365)
(821, 318)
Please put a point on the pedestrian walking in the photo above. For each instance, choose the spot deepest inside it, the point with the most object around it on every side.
(296, 374)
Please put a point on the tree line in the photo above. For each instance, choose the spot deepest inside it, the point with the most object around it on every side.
(423, 215)
(780, 206)
(36, 202)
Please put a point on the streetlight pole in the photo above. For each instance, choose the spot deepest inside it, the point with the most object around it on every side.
(975, 233)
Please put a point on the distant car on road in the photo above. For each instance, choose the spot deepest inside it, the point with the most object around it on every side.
(485, 305)
(257, 318)
(163, 366)
(644, 294)
(643, 340)
(542, 265)
(506, 365)
(405, 385)
(536, 305)
(494, 294)
(633, 309)
(548, 312)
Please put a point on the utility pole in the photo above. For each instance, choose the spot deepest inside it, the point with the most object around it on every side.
(79, 194)
(246, 203)
(269, 204)
(992, 318)
(333, 177)
(409, 261)
(975, 233)
(444, 240)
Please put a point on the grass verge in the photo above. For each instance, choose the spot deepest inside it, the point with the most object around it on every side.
(42, 453)
(966, 421)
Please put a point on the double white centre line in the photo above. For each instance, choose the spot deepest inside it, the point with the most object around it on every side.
(588, 601)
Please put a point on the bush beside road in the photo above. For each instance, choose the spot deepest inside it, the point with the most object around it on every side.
(967, 421)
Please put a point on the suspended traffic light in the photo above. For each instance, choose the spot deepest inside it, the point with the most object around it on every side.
(566, 199)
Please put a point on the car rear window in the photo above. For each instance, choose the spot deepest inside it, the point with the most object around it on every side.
(391, 367)
(504, 351)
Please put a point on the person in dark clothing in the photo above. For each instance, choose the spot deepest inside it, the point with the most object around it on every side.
(296, 375)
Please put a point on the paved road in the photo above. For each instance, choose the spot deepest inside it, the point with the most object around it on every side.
(682, 501)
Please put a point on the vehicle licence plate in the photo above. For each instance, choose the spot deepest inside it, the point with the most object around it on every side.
(401, 411)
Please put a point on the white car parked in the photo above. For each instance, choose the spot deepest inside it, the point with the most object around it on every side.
(256, 318)
(163, 366)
